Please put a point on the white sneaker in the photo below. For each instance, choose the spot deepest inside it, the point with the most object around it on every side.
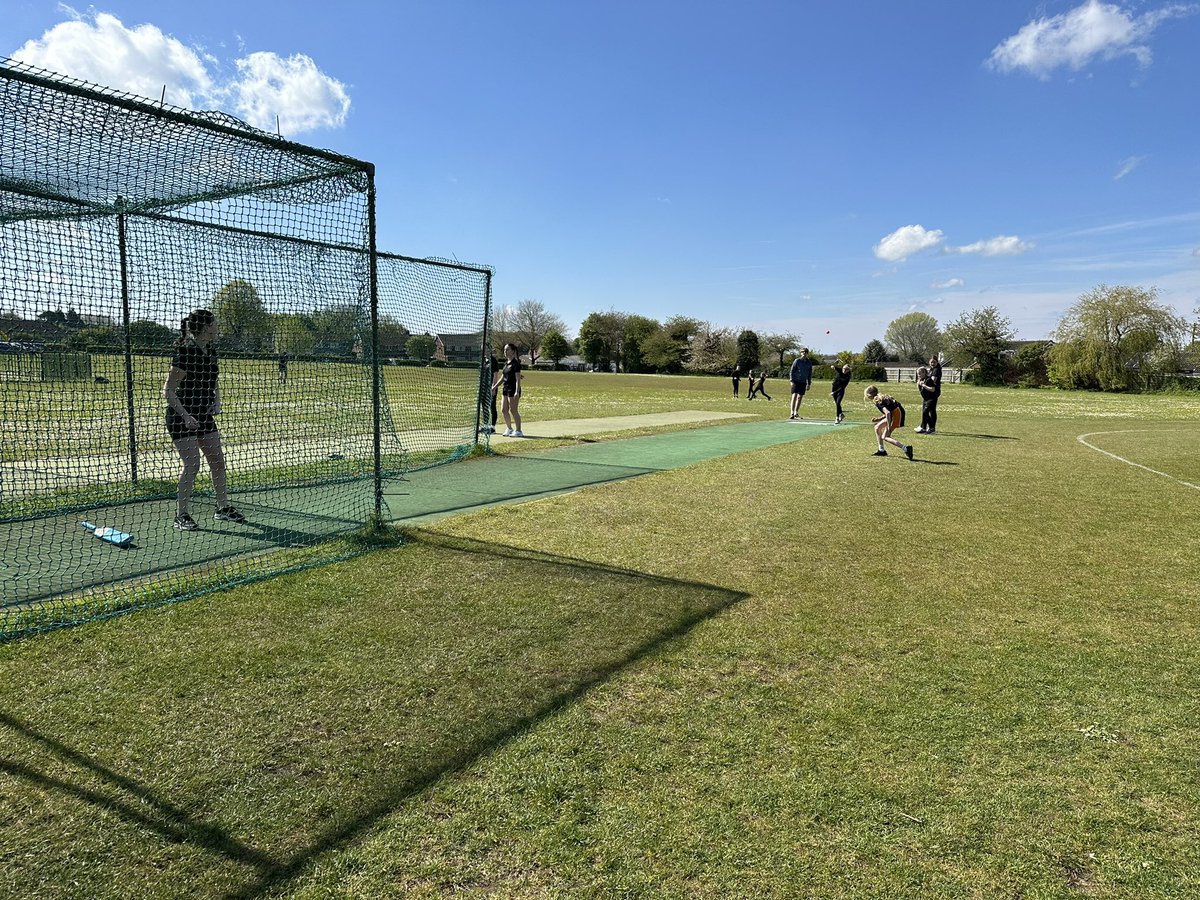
(508, 432)
(518, 434)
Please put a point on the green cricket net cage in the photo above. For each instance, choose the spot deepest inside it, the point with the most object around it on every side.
(340, 368)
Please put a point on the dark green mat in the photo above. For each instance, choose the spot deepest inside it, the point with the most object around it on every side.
(435, 493)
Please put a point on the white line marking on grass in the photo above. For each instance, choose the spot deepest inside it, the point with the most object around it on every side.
(1129, 462)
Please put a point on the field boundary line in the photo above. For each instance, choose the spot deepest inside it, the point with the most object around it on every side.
(1081, 438)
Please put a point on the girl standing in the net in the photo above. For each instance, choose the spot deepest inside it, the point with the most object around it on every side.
(193, 399)
(510, 378)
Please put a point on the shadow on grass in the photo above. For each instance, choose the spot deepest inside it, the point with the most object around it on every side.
(966, 434)
(359, 707)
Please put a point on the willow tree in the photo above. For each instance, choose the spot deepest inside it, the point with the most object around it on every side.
(1115, 339)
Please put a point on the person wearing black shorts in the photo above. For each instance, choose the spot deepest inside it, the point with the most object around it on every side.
(193, 401)
(801, 378)
(509, 382)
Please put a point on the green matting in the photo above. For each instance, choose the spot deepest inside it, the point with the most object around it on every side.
(61, 558)
(514, 477)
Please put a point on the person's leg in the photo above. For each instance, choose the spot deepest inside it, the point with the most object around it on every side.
(763, 391)
(932, 426)
(516, 413)
(889, 424)
(189, 456)
(795, 400)
(210, 446)
(881, 428)
(837, 400)
(506, 411)
(494, 409)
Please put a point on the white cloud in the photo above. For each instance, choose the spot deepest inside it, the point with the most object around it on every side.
(903, 242)
(303, 96)
(1196, 252)
(1003, 245)
(1075, 38)
(1127, 165)
(948, 283)
(142, 60)
(137, 60)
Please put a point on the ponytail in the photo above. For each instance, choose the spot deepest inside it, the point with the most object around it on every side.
(192, 323)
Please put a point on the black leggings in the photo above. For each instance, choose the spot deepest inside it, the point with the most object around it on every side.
(837, 399)
(929, 414)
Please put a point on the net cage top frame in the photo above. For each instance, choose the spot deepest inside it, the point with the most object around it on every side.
(69, 148)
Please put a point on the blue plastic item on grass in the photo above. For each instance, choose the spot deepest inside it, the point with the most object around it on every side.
(111, 535)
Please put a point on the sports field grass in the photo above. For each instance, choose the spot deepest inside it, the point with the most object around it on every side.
(795, 671)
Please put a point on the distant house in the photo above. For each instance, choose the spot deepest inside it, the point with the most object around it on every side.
(459, 348)
(1015, 347)
(571, 363)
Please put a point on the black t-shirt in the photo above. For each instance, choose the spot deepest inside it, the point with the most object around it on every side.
(198, 389)
(512, 370)
(840, 380)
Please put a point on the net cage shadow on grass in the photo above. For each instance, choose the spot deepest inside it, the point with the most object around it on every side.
(118, 216)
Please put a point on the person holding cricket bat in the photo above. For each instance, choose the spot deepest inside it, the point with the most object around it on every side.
(193, 401)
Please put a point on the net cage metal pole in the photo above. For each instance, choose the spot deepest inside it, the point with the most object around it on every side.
(373, 288)
(130, 403)
(485, 370)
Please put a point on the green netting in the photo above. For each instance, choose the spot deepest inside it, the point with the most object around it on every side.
(117, 218)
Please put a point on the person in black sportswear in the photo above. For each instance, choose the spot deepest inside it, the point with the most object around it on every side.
(890, 418)
(737, 379)
(759, 386)
(490, 405)
(928, 401)
(935, 380)
(509, 382)
(193, 400)
(841, 378)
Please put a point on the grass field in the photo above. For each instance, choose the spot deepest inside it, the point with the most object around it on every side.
(794, 672)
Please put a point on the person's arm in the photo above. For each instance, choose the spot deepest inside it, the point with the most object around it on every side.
(215, 409)
(171, 395)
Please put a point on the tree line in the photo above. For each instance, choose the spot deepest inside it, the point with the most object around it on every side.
(1112, 338)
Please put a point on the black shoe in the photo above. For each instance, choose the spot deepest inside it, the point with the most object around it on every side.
(908, 451)
(228, 514)
(185, 523)
(879, 453)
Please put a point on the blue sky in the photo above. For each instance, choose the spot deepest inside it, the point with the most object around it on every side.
(782, 166)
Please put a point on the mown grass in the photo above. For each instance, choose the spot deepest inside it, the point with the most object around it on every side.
(798, 671)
